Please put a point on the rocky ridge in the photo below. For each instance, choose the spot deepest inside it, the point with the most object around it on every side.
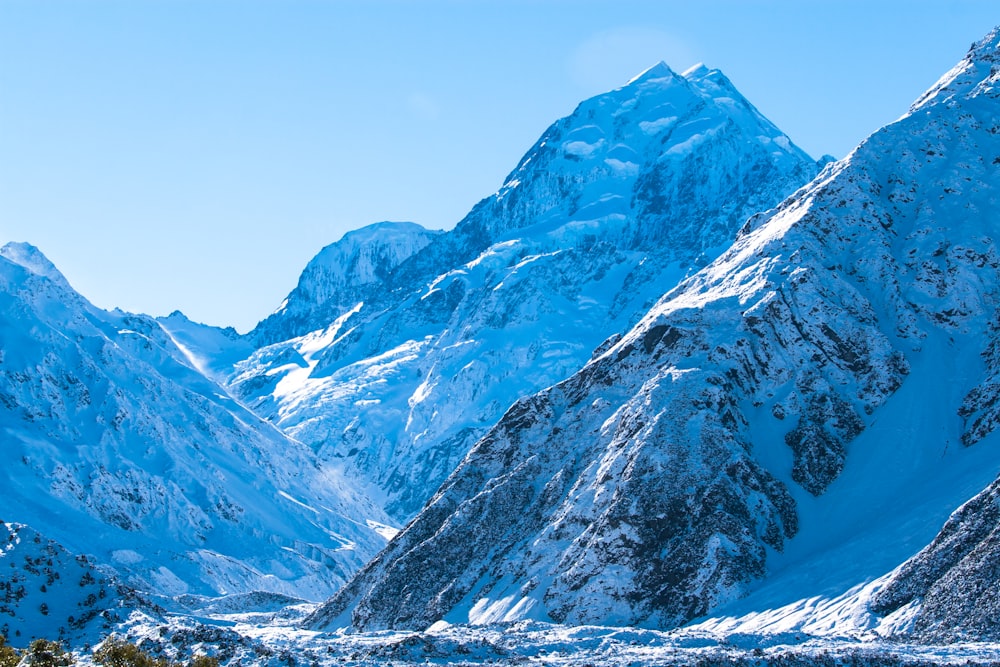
(953, 581)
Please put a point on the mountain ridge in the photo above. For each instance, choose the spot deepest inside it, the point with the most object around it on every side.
(783, 350)
(121, 447)
(634, 189)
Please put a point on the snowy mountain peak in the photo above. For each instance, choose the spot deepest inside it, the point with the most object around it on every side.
(341, 275)
(713, 82)
(660, 70)
(382, 231)
(361, 255)
(696, 70)
(32, 259)
(621, 150)
(979, 69)
(990, 44)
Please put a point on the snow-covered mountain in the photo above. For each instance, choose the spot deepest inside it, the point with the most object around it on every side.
(116, 445)
(344, 273)
(790, 422)
(418, 356)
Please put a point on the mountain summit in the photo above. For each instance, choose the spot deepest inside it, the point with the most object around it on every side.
(637, 188)
(344, 273)
(32, 259)
(660, 70)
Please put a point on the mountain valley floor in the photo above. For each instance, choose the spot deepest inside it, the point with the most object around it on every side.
(274, 638)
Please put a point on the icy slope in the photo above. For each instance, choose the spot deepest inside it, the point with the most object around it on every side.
(655, 485)
(115, 445)
(615, 203)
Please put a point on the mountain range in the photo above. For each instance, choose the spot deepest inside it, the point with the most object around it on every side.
(673, 373)
(653, 486)
(119, 447)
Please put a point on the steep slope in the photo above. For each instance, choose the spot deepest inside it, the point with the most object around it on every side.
(954, 582)
(116, 446)
(634, 190)
(46, 592)
(654, 485)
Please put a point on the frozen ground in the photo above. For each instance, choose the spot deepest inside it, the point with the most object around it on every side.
(272, 638)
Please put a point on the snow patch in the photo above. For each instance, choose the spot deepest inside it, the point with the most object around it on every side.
(582, 149)
(652, 127)
(386, 531)
(504, 610)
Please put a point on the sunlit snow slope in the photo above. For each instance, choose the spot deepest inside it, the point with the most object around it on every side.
(796, 419)
(613, 205)
(116, 445)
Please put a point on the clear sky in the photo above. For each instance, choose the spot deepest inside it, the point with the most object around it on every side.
(173, 154)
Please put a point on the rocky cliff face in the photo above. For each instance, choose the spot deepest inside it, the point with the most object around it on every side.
(650, 487)
(613, 204)
(117, 445)
(954, 582)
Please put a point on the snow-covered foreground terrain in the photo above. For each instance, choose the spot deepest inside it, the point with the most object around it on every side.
(274, 639)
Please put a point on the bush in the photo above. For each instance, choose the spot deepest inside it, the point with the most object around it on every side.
(45, 653)
(8, 656)
(120, 653)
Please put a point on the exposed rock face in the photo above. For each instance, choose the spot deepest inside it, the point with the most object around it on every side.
(955, 580)
(613, 204)
(636, 492)
(120, 448)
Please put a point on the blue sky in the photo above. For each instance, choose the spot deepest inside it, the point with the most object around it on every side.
(172, 154)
